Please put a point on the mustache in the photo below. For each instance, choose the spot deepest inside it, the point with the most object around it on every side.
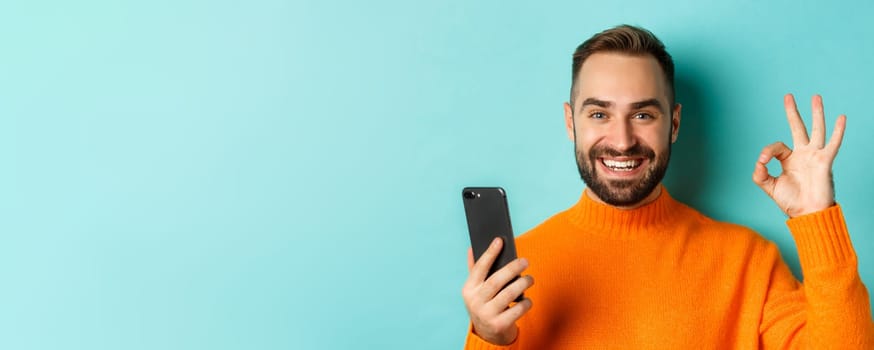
(637, 151)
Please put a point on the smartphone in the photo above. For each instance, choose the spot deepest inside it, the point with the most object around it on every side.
(488, 217)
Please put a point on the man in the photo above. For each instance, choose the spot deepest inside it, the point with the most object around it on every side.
(628, 267)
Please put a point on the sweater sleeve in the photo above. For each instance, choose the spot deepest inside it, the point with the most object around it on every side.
(831, 310)
(474, 342)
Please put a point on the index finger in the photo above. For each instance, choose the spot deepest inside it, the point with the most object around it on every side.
(796, 124)
(481, 268)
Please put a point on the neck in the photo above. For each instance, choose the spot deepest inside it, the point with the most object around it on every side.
(648, 216)
(648, 199)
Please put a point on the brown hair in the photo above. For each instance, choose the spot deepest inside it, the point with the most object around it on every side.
(629, 40)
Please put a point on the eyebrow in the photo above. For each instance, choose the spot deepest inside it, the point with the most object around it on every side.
(635, 105)
(647, 103)
(596, 102)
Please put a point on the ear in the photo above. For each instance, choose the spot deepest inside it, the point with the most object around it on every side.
(675, 122)
(569, 121)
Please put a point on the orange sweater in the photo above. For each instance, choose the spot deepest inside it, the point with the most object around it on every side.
(663, 276)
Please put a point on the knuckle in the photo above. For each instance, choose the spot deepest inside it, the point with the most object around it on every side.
(504, 296)
(492, 283)
(478, 264)
(526, 303)
(521, 308)
(518, 311)
(486, 254)
(510, 292)
(494, 248)
(475, 313)
(466, 293)
(497, 325)
(524, 281)
(472, 297)
(522, 311)
(485, 261)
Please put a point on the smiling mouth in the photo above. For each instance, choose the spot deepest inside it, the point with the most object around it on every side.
(621, 165)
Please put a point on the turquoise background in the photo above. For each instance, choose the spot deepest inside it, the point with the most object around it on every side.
(287, 175)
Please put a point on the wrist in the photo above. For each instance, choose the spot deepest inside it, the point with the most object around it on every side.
(500, 339)
(810, 210)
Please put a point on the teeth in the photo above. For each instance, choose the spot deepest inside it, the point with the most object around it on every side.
(627, 165)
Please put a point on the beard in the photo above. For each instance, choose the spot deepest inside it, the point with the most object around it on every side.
(622, 193)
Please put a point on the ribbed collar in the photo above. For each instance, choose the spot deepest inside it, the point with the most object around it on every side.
(593, 216)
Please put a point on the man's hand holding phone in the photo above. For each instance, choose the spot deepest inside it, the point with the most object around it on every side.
(489, 306)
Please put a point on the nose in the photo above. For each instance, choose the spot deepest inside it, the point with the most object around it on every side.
(621, 135)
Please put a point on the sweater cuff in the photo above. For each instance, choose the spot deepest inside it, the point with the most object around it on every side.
(474, 342)
(822, 239)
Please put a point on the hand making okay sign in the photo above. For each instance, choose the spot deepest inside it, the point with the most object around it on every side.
(806, 185)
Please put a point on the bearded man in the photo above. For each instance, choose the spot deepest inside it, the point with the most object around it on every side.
(629, 267)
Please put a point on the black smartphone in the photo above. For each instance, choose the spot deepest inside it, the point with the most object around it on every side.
(488, 217)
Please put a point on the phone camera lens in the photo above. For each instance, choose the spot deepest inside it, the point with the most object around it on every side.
(470, 194)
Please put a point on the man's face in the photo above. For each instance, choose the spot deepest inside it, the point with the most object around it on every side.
(622, 126)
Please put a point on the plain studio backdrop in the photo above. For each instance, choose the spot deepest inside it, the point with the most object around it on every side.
(287, 174)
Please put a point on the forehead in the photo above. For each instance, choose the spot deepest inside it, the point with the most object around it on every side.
(621, 78)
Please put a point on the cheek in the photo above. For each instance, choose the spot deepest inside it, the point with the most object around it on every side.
(653, 137)
(586, 140)
(658, 141)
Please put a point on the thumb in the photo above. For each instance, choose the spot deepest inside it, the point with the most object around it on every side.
(765, 181)
(761, 177)
(469, 259)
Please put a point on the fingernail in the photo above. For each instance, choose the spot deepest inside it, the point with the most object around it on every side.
(523, 262)
(496, 241)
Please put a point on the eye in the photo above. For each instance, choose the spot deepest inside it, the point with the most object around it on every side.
(598, 115)
(643, 116)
